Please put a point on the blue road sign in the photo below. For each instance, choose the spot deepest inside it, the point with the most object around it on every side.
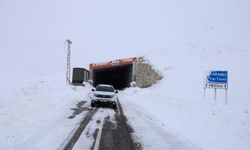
(217, 77)
(216, 80)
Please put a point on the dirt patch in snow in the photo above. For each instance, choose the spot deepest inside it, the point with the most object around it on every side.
(79, 109)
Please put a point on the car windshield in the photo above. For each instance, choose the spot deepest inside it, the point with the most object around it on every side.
(104, 88)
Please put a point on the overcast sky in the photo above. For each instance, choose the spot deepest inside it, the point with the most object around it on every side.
(106, 29)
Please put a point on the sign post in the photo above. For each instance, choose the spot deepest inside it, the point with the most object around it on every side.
(226, 98)
(204, 94)
(217, 80)
(215, 94)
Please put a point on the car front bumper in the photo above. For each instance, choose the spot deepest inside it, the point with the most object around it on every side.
(103, 102)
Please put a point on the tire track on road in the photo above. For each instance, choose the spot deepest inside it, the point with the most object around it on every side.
(80, 129)
(117, 136)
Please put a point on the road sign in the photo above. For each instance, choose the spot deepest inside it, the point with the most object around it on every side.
(217, 77)
(216, 85)
(216, 80)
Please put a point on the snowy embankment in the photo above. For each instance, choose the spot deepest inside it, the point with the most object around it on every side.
(36, 117)
(175, 107)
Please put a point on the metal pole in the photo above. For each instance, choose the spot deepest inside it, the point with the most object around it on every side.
(68, 62)
(226, 97)
(204, 94)
(215, 94)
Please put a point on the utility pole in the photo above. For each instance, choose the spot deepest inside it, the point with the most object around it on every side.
(68, 62)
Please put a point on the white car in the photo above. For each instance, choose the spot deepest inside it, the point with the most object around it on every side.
(104, 95)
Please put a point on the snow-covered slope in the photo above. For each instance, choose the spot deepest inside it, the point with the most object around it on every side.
(176, 104)
(184, 71)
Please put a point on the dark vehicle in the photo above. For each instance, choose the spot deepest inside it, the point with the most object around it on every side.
(80, 75)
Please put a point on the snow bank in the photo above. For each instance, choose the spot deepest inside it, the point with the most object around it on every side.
(177, 101)
(36, 116)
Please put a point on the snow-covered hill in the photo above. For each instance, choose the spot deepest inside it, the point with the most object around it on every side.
(176, 104)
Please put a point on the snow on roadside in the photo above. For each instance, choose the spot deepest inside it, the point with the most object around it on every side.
(177, 103)
(35, 117)
(206, 125)
(151, 132)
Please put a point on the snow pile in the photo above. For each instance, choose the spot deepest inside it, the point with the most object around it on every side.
(177, 105)
(36, 117)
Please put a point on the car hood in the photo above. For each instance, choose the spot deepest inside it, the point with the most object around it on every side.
(104, 93)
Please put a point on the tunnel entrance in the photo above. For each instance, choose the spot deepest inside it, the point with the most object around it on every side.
(119, 73)
(122, 72)
(118, 76)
